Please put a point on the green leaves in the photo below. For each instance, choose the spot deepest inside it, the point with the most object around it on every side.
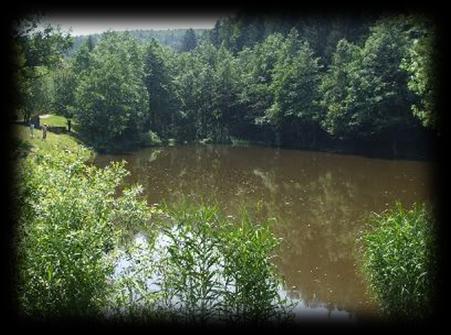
(295, 84)
(399, 260)
(74, 229)
(189, 40)
(420, 64)
(206, 268)
(365, 92)
(111, 96)
(71, 221)
(338, 91)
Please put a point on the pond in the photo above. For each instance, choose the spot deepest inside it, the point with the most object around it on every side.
(320, 202)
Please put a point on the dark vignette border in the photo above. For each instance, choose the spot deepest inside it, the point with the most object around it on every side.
(434, 9)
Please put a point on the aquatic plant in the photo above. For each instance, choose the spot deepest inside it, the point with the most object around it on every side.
(208, 268)
(399, 260)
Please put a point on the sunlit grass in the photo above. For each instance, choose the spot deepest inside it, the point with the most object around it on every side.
(54, 120)
(53, 141)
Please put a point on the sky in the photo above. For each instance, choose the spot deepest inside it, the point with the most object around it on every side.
(84, 25)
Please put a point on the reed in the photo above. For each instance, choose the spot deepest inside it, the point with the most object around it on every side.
(399, 260)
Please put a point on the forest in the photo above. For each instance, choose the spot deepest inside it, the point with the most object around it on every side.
(331, 83)
(270, 169)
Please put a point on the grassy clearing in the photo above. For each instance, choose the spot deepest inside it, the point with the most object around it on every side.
(29, 144)
(54, 120)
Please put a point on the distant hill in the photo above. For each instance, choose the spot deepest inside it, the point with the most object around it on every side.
(169, 37)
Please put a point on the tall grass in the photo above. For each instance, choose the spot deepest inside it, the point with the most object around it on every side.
(399, 261)
(212, 269)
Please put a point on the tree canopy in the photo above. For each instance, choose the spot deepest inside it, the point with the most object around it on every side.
(282, 80)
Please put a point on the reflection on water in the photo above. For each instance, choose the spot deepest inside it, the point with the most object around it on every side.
(141, 264)
(320, 201)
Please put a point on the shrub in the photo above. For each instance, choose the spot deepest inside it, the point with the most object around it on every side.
(70, 221)
(74, 232)
(150, 138)
(398, 261)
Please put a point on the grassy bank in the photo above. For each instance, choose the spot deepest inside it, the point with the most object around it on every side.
(74, 227)
(53, 120)
(52, 142)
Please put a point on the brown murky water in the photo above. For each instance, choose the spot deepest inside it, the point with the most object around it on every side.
(320, 201)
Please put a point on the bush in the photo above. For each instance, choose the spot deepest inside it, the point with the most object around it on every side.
(75, 233)
(398, 261)
(70, 221)
(150, 138)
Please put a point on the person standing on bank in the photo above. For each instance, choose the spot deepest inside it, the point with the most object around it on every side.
(44, 131)
(68, 125)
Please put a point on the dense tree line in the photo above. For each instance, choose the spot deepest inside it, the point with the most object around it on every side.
(173, 38)
(281, 81)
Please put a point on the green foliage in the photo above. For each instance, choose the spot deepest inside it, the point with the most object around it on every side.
(41, 47)
(419, 63)
(289, 81)
(189, 40)
(191, 280)
(206, 83)
(280, 79)
(338, 93)
(150, 138)
(75, 229)
(399, 261)
(295, 86)
(172, 38)
(36, 94)
(112, 99)
(248, 268)
(221, 270)
(65, 84)
(160, 89)
(203, 268)
(36, 53)
(257, 66)
(383, 99)
(82, 59)
(365, 91)
(70, 220)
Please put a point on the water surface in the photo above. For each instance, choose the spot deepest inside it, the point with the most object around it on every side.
(320, 201)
